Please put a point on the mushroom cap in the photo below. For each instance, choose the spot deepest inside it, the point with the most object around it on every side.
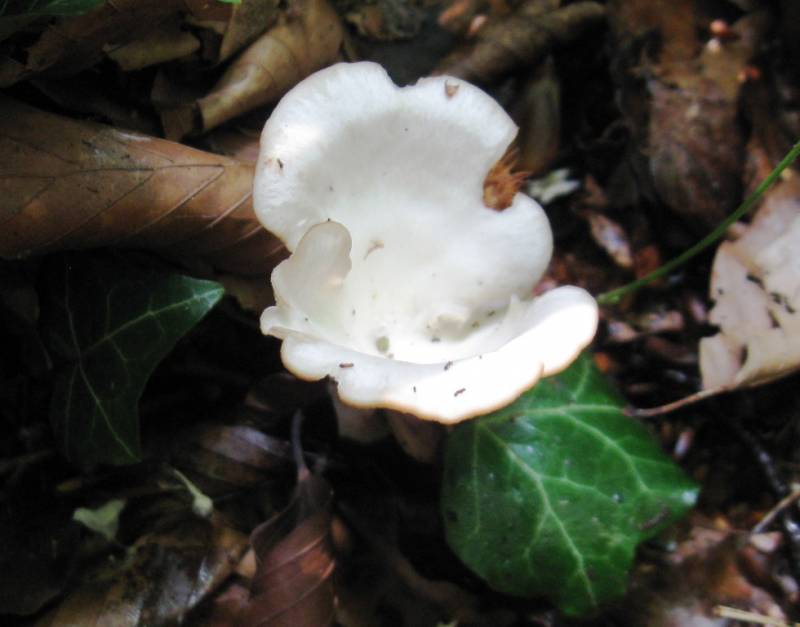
(402, 286)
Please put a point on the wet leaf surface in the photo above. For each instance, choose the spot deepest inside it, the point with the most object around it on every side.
(108, 323)
(551, 495)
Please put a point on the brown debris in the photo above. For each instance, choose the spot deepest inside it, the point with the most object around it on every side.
(125, 190)
(523, 38)
(707, 569)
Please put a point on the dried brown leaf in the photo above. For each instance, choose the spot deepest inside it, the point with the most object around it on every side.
(306, 38)
(221, 457)
(521, 39)
(164, 42)
(293, 584)
(164, 576)
(68, 184)
(75, 43)
(756, 284)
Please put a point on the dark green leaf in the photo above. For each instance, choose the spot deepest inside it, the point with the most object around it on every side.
(109, 322)
(21, 8)
(551, 495)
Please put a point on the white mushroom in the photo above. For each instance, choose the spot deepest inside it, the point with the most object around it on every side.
(402, 286)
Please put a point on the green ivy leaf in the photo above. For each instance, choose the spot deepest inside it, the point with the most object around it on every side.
(20, 8)
(551, 495)
(109, 322)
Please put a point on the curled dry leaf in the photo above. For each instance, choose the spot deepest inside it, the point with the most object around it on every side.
(756, 284)
(70, 185)
(163, 576)
(293, 584)
(523, 38)
(306, 39)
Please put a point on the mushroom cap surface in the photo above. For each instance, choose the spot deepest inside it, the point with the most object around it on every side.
(402, 286)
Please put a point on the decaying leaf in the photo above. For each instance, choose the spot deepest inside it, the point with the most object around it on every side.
(687, 123)
(162, 577)
(305, 40)
(67, 184)
(293, 583)
(523, 38)
(756, 284)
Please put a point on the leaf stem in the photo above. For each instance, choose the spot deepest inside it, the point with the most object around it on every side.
(612, 297)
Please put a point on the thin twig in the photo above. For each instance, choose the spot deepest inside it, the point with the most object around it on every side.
(776, 511)
(779, 487)
(751, 617)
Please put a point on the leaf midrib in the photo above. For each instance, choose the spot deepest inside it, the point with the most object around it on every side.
(549, 511)
(150, 313)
